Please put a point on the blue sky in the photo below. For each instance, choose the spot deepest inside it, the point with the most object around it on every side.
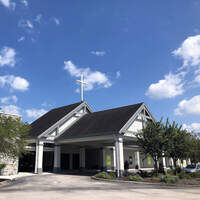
(129, 51)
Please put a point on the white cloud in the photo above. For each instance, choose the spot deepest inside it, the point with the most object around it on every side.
(8, 3)
(8, 100)
(118, 74)
(189, 51)
(38, 18)
(24, 2)
(189, 107)
(92, 78)
(194, 127)
(15, 82)
(7, 56)
(56, 20)
(10, 109)
(169, 87)
(35, 113)
(98, 53)
(45, 104)
(21, 39)
(26, 24)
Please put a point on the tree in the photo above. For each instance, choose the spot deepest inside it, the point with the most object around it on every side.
(177, 144)
(151, 141)
(13, 135)
(194, 152)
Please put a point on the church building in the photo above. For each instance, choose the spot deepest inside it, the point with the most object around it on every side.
(74, 137)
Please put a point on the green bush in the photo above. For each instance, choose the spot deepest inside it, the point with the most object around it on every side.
(195, 175)
(183, 175)
(170, 171)
(135, 178)
(178, 169)
(2, 166)
(104, 175)
(112, 174)
(169, 179)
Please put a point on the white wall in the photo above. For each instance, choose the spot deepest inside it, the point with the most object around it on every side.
(135, 126)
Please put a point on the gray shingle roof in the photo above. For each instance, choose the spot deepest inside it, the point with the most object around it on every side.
(50, 118)
(102, 122)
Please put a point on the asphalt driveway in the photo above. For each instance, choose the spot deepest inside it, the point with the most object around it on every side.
(76, 187)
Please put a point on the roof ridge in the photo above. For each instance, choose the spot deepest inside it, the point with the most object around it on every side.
(66, 105)
(118, 107)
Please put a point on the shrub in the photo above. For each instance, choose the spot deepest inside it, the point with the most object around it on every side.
(2, 166)
(169, 179)
(170, 171)
(104, 175)
(112, 174)
(178, 169)
(183, 175)
(135, 178)
(195, 175)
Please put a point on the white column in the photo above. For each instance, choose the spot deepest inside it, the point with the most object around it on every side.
(137, 158)
(56, 158)
(114, 159)
(82, 157)
(172, 162)
(164, 164)
(119, 152)
(39, 157)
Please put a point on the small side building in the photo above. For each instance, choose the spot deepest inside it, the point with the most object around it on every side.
(11, 163)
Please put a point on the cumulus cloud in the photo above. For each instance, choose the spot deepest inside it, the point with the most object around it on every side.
(45, 104)
(8, 100)
(35, 113)
(24, 2)
(14, 82)
(10, 109)
(26, 24)
(8, 3)
(118, 74)
(7, 56)
(56, 20)
(189, 51)
(194, 127)
(169, 87)
(38, 18)
(98, 53)
(189, 107)
(21, 39)
(92, 78)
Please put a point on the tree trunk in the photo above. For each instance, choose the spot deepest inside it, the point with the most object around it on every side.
(174, 161)
(156, 166)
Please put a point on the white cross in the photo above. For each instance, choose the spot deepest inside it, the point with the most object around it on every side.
(82, 85)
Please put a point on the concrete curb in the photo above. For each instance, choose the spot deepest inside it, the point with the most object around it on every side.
(142, 183)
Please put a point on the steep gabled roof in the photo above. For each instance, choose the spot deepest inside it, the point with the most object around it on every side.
(102, 122)
(50, 118)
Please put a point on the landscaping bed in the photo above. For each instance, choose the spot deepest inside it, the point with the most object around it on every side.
(180, 179)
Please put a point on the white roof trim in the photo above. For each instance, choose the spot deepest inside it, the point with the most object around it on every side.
(54, 126)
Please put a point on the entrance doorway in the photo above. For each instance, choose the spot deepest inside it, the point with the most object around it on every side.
(75, 163)
(64, 161)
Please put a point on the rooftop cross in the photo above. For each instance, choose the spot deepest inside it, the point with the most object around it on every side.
(82, 85)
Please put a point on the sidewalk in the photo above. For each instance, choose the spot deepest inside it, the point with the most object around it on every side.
(13, 177)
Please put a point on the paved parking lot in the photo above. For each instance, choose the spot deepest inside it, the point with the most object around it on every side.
(76, 187)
